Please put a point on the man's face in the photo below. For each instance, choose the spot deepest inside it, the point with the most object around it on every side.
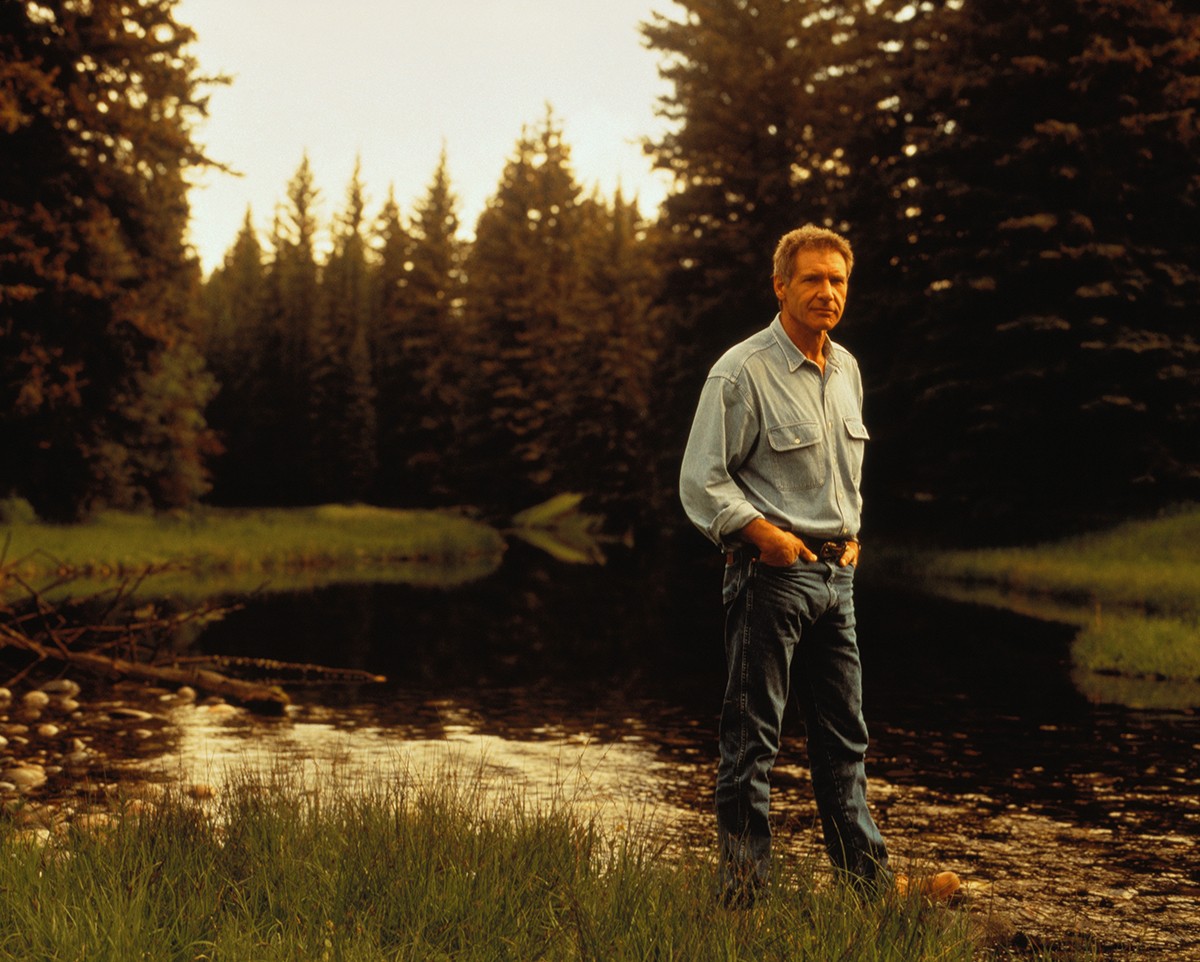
(811, 303)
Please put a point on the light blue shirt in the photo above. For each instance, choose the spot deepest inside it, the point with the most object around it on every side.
(773, 438)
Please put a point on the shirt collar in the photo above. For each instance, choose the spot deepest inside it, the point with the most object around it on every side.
(794, 356)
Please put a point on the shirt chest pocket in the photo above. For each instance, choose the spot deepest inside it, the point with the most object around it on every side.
(856, 444)
(798, 459)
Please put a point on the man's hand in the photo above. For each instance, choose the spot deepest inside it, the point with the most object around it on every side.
(850, 555)
(776, 547)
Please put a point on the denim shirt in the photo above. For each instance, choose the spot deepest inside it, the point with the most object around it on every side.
(773, 438)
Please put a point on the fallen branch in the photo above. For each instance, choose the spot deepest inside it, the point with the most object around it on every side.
(49, 633)
(269, 699)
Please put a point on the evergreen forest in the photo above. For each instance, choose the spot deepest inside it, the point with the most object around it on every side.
(1019, 179)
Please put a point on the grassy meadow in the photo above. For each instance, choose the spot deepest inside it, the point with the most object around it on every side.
(1134, 591)
(424, 872)
(230, 550)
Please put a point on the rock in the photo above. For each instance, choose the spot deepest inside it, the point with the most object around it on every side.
(93, 821)
(48, 730)
(5, 696)
(186, 693)
(61, 687)
(67, 706)
(78, 759)
(35, 700)
(24, 777)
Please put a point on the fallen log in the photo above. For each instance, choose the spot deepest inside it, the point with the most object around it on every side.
(268, 699)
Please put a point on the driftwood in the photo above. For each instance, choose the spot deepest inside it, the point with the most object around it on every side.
(270, 699)
(130, 648)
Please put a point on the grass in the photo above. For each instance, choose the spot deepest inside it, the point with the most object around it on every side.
(426, 872)
(1149, 565)
(1133, 590)
(225, 551)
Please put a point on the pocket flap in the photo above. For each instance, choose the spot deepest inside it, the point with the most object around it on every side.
(790, 437)
(856, 429)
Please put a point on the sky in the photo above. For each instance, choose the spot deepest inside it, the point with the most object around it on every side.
(392, 82)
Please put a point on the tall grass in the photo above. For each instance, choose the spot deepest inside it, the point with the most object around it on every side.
(1133, 590)
(245, 547)
(424, 872)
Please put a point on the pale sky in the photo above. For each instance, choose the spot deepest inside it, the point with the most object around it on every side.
(391, 81)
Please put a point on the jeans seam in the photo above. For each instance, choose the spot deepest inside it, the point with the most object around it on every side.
(743, 686)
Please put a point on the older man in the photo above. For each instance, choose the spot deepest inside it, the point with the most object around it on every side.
(771, 475)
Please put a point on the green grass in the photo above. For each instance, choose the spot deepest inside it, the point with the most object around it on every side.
(427, 872)
(224, 551)
(1133, 590)
(1150, 565)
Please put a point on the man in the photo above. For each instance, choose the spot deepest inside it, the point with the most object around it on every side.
(771, 475)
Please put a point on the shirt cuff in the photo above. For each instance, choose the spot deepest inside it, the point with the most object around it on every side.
(730, 521)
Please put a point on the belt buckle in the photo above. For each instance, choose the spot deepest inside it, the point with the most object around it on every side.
(832, 550)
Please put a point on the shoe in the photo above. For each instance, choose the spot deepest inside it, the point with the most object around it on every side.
(936, 888)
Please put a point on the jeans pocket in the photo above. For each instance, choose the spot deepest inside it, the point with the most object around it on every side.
(735, 577)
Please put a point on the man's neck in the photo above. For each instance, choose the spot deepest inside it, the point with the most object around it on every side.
(815, 347)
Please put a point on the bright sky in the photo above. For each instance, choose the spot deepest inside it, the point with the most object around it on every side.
(391, 81)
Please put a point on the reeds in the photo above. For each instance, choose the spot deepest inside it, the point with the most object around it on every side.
(426, 871)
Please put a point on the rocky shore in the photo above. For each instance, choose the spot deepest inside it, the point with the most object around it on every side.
(65, 751)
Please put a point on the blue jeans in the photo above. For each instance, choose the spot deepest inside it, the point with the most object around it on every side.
(777, 619)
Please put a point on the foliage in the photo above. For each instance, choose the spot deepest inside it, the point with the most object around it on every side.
(431, 870)
(1047, 264)
(416, 337)
(1020, 182)
(103, 390)
(341, 395)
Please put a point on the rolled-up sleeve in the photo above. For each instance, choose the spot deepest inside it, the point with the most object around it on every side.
(723, 434)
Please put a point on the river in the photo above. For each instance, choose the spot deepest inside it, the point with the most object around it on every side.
(1066, 818)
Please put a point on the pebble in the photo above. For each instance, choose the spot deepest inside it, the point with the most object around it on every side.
(48, 730)
(93, 821)
(68, 706)
(5, 695)
(25, 777)
(63, 687)
(35, 700)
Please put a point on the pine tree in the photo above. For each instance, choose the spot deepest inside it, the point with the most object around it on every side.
(1047, 303)
(419, 336)
(606, 442)
(238, 342)
(341, 398)
(103, 388)
(283, 459)
(524, 280)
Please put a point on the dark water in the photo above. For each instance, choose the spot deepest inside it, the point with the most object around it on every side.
(1064, 816)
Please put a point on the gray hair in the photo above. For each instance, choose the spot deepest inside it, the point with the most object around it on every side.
(808, 237)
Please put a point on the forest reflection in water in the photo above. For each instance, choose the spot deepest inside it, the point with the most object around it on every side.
(602, 685)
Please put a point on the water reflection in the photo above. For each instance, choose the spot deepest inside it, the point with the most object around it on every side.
(986, 758)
